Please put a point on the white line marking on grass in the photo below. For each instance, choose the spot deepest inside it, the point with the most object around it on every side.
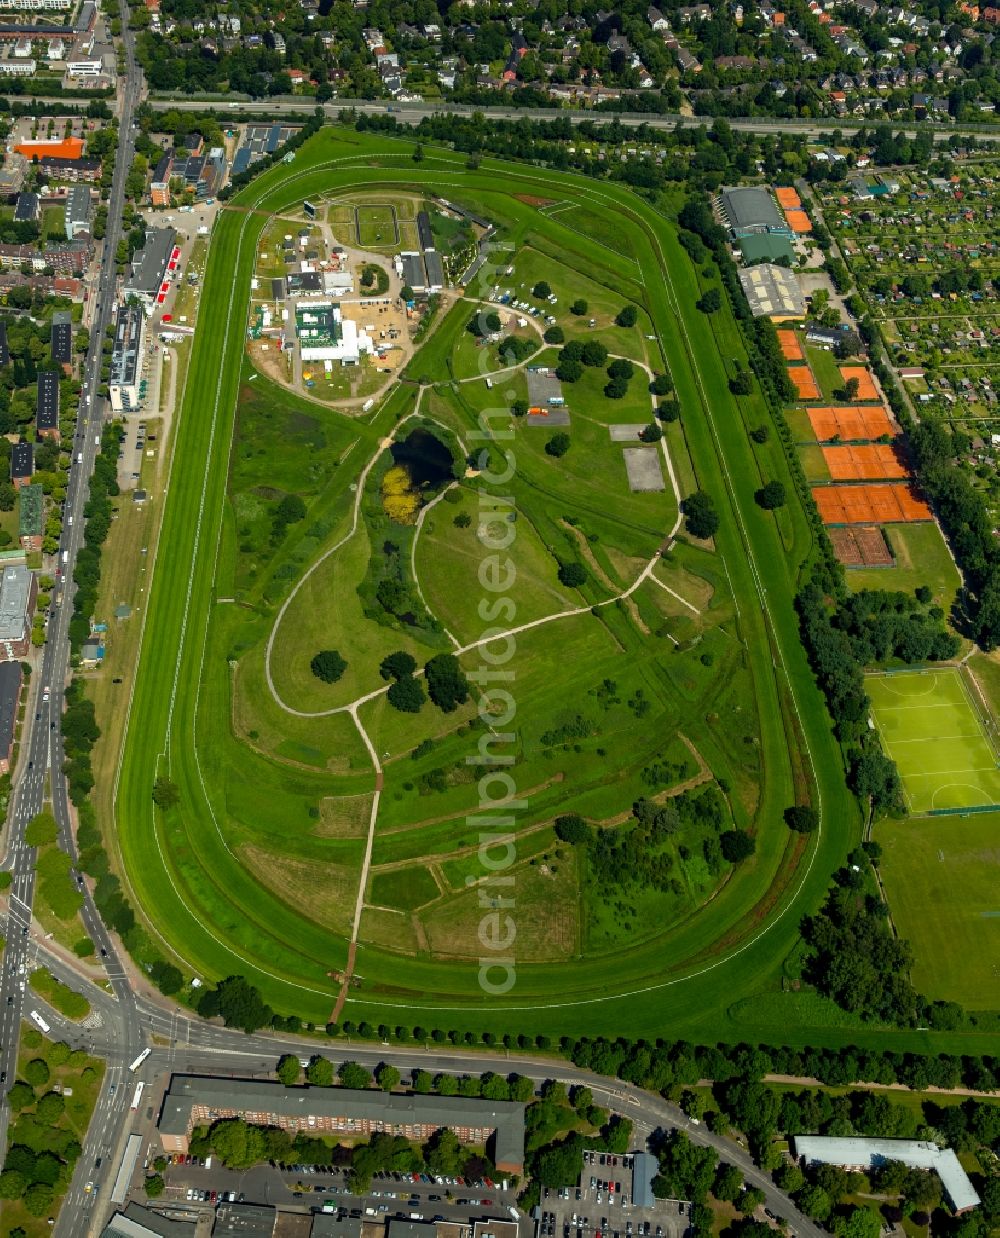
(656, 581)
(947, 773)
(937, 739)
(886, 707)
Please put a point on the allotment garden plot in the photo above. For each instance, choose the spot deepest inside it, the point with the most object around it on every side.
(942, 745)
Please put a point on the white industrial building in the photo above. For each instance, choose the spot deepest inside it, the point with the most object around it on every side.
(335, 282)
(865, 1154)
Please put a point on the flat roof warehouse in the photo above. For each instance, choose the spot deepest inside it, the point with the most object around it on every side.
(751, 209)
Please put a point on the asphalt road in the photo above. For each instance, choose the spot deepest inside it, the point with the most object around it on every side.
(41, 754)
(187, 1045)
(413, 113)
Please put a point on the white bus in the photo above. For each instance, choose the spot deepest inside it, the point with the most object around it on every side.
(137, 1097)
(39, 1020)
(140, 1059)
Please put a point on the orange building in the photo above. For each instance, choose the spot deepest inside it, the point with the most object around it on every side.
(57, 148)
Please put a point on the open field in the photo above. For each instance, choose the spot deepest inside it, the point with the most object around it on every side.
(941, 877)
(922, 558)
(184, 870)
(937, 737)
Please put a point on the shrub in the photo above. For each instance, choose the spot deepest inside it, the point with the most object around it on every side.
(396, 665)
(700, 517)
(446, 685)
(594, 353)
(572, 829)
(736, 845)
(770, 496)
(406, 695)
(802, 818)
(572, 574)
(710, 302)
(568, 371)
(328, 665)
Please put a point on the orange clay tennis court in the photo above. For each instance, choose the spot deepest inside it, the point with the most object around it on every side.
(875, 504)
(787, 197)
(791, 349)
(805, 384)
(866, 384)
(850, 423)
(872, 463)
(798, 221)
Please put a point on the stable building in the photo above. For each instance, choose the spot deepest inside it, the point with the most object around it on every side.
(413, 272)
(22, 464)
(435, 270)
(78, 203)
(196, 1101)
(46, 407)
(126, 359)
(18, 587)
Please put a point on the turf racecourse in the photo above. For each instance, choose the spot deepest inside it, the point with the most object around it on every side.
(930, 727)
(182, 872)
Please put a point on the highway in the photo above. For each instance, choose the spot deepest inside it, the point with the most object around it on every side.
(413, 113)
(40, 760)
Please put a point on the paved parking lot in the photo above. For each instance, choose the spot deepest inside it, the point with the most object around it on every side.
(601, 1206)
(391, 1195)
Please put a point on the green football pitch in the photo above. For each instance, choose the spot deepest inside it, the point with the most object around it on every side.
(931, 728)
